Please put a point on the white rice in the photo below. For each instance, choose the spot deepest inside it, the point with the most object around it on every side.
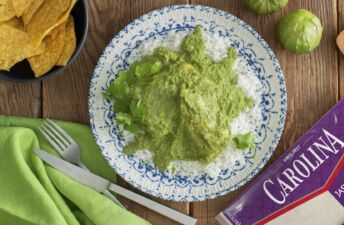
(216, 48)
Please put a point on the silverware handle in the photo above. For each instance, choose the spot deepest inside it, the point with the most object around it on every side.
(105, 192)
(157, 207)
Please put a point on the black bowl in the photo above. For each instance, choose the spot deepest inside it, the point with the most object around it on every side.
(21, 72)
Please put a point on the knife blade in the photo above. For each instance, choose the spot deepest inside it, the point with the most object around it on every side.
(100, 184)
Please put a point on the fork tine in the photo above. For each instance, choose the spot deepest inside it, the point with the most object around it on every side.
(53, 141)
(64, 133)
(56, 133)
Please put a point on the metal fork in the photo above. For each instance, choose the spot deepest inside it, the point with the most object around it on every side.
(67, 148)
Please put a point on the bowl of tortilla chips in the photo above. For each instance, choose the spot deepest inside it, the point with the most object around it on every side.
(40, 38)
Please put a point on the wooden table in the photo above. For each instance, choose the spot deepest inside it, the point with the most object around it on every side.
(315, 81)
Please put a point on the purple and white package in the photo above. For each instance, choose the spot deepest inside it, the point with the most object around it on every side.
(305, 186)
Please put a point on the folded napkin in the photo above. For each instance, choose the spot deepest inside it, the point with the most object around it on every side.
(32, 193)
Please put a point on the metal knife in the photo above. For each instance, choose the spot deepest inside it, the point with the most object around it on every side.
(100, 184)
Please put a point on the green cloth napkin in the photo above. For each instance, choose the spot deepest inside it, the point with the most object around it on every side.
(32, 193)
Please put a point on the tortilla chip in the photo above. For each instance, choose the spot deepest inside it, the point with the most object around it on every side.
(54, 31)
(39, 50)
(6, 10)
(20, 6)
(15, 22)
(36, 30)
(33, 7)
(70, 43)
(65, 15)
(50, 15)
(40, 64)
(16, 48)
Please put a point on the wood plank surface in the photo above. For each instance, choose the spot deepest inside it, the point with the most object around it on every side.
(65, 96)
(340, 55)
(20, 99)
(312, 80)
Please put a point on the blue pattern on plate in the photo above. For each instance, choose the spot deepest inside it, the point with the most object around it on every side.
(163, 22)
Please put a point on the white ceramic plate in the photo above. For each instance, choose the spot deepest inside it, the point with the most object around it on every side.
(164, 22)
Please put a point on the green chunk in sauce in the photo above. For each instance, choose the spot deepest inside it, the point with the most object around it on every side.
(244, 141)
(180, 104)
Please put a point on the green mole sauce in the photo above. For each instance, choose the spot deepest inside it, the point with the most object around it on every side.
(184, 102)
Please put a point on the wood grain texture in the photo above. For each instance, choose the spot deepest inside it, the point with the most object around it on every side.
(65, 96)
(312, 80)
(20, 99)
(340, 55)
